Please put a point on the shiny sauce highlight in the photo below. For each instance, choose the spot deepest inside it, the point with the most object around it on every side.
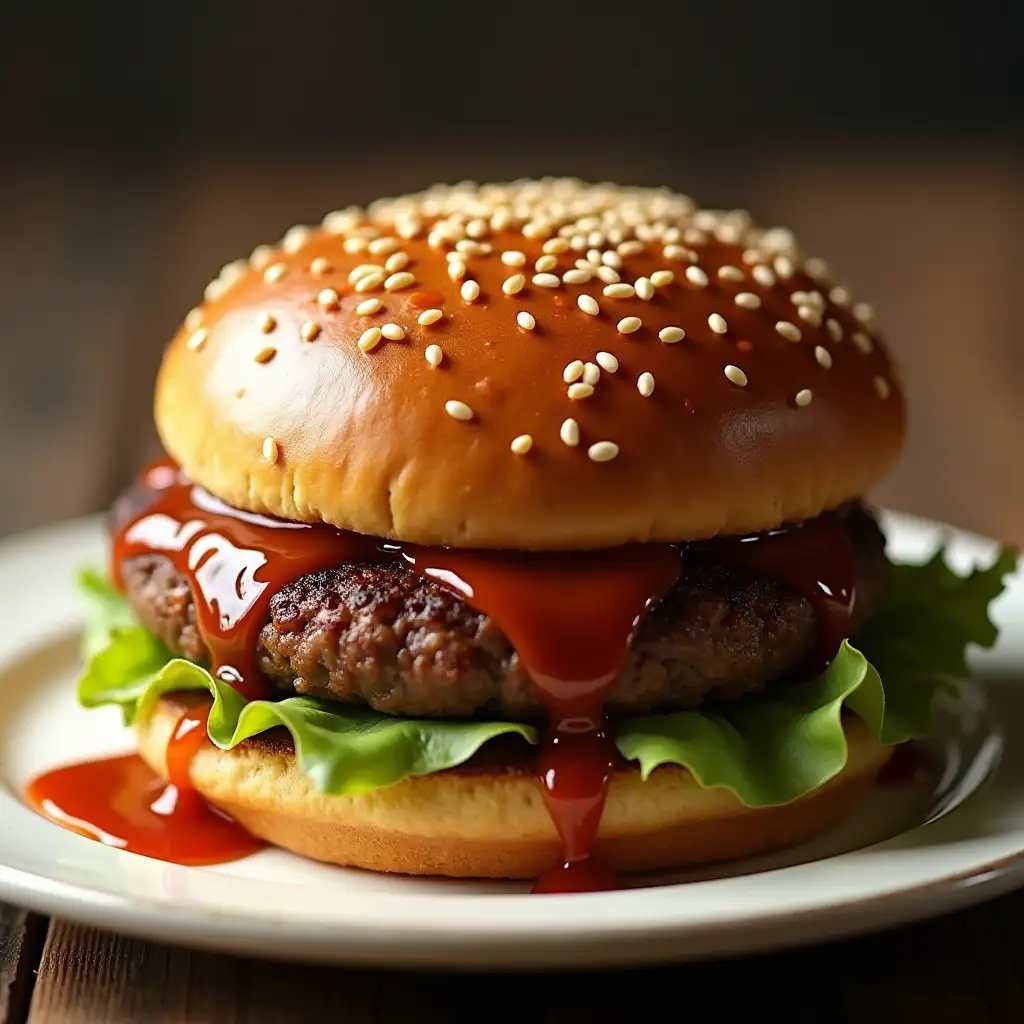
(571, 618)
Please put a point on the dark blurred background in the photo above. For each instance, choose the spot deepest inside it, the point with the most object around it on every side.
(146, 144)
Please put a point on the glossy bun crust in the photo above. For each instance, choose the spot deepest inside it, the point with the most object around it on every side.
(658, 372)
(494, 824)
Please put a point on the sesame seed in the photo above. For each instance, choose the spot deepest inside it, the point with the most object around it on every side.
(354, 245)
(603, 451)
(469, 247)
(736, 375)
(607, 362)
(661, 278)
(840, 296)
(763, 275)
(717, 323)
(547, 280)
(370, 281)
(271, 450)
(816, 268)
(862, 342)
(396, 282)
(429, 316)
(631, 247)
(610, 258)
(675, 252)
(728, 273)
(629, 324)
(546, 263)
(295, 238)
(470, 291)
(619, 291)
(823, 356)
(383, 246)
(576, 276)
(588, 304)
(696, 276)
(274, 273)
(265, 354)
(477, 228)
(197, 339)
(580, 390)
(370, 339)
(358, 273)
(608, 274)
(555, 245)
(522, 444)
(458, 410)
(265, 322)
(433, 355)
(803, 398)
(810, 314)
(591, 374)
(261, 256)
(594, 256)
(457, 270)
(320, 266)
(569, 432)
(573, 371)
(751, 256)
(644, 288)
(514, 284)
(193, 318)
(783, 267)
(747, 300)
(368, 307)
(863, 312)
(396, 261)
(526, 320)
(645, 384)
(671, 335)
(513, 258)
(393, 332)
(835, 329)
(882, 388)
(310, 330)
(328, 298)
(789, 331)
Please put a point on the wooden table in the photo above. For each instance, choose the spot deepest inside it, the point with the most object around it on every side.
(102, 260)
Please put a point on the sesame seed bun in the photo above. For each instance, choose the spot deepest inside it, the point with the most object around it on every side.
(494, 824)
(536, 365)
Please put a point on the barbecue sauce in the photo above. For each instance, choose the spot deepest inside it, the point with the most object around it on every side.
(570, 617)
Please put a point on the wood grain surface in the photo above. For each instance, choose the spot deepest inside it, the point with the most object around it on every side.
(101, 262)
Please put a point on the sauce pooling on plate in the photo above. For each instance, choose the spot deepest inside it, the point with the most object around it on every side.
(571, 618)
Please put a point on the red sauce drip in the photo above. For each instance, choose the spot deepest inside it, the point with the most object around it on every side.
(814, 559)
(235, 562)
(571, 619)
(570, 616)
(121, 802)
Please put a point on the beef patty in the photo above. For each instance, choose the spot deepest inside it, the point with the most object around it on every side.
(385, 636)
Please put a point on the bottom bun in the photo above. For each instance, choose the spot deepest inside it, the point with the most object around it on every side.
(493, 824)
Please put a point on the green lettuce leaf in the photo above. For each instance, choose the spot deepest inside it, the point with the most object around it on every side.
(775, 747)
(768, 749)
(343, 749)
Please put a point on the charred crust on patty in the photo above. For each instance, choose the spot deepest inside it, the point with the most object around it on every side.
(383, 636)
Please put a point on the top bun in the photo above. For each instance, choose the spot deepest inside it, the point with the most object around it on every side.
(535, 365)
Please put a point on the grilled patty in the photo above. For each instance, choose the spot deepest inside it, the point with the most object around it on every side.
(383, 635)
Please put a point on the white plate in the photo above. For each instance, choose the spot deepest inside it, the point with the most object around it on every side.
(906, 854)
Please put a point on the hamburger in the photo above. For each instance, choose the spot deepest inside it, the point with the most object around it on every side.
(520, 531)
